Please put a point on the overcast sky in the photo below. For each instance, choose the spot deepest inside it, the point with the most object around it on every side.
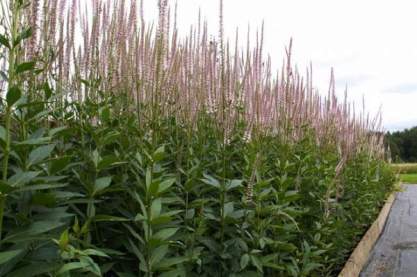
(371, 44)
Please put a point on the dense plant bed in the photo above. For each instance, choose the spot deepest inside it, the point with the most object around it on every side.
(121, 199)
(155, 157)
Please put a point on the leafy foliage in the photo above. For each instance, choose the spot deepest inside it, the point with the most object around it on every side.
(108, 199)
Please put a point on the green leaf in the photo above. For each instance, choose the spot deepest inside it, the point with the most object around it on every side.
(5, 187)
(22, 178)
(101, 184)
(56, 165)
(4, 41)
(228, 208)
(64, 240)
(34, 269)
(158, 254)
(273, 265)
(40, 153)
(165, 185)
(26, 33)
(237, 214)
(95, 157)
(292, 195)
(136, 197)
(153, 188)
(3, 134)
(47, 89)
(159, 154)
(165, 234)
(105, 114)
(135, 235)
(53, 215)
(148, 178)
(67, 194)
(109, 218)
(233, 184)
(8, 255)
(46, 199)
(244, 261)
(36, 117)
(169, 262)
(179, 272)
(262, 243)
(256, 262)
(34, 141)
(86, 227)
(50, 179)
(34, 229)
(76, 226)
(69, 267)
(13, 95)
(109, 161)
(109, 138)
(95, 252)
(57, 130)
(209, 180)
(140, 217)
(156, 208)
(165, 217)
(190, 214)
(310, 267)
(26, 66)
(90, 265)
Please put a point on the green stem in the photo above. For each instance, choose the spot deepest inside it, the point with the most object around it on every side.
(148, 249)
(2, 205)
(7, 148)
(149, 229)
(5, 169)
(12, 59)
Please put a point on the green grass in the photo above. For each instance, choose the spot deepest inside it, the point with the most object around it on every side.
(408, 178)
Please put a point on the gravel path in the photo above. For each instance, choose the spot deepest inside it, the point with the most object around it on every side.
(395, 253)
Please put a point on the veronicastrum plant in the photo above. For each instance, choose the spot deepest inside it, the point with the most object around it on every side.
(128, 150)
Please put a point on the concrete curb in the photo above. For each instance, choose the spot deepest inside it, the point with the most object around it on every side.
(360, 255)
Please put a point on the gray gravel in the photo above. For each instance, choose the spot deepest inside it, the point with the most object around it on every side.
(395, 253)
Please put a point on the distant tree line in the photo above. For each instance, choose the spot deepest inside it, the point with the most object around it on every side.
(403, 145)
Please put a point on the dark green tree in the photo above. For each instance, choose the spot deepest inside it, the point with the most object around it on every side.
(403, 145)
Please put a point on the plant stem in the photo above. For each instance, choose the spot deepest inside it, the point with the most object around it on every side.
(12, 60)
(7, 148)
(5, 167)
(2, 205)
(149, 229)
